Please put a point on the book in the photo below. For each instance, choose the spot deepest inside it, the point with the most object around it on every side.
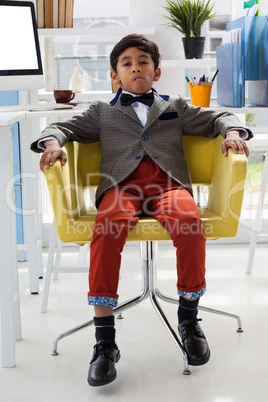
(61, 13)
(48, 13)
(69, 9)
(40, 5)
(55, 13)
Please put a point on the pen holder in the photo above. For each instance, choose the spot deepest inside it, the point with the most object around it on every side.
(200, 93)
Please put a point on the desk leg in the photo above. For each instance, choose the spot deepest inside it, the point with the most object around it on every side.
(30, 205)
(10, 310)
(256, 227)
(15, 277)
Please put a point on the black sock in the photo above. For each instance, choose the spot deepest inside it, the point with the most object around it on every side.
(104, 328)
(187, 309)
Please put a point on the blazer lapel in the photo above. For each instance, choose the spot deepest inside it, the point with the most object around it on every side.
(158, 107)
(128, 110)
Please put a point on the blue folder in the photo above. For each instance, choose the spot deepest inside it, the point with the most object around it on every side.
(254, 46)
(230, 80)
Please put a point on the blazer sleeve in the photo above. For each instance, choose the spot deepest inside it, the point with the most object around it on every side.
(209, 123)
(82, 128)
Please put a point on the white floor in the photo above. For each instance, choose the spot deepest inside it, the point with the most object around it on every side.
(151, 366)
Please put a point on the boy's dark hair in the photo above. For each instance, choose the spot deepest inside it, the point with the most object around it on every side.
(138, 41)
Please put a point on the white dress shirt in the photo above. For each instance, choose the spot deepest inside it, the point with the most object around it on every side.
(140, 108)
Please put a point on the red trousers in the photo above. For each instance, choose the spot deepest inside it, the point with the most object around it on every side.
(147, 191)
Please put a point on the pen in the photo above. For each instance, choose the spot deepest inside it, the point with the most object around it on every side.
(215, 75)
(187, 79)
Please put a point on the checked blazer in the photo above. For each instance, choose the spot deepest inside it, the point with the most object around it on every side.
(124, 141)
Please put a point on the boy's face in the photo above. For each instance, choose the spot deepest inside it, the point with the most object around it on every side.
(135, 71)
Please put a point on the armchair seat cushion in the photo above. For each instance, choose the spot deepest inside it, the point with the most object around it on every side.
(80, 230)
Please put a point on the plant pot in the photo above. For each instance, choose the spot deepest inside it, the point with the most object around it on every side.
(194, 47)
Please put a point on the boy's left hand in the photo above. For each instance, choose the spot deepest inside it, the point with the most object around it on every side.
(234, 141)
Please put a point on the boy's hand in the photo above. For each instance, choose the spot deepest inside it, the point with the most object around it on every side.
(53, 151)
(234, 141)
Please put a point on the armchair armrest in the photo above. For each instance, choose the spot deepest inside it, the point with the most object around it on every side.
(67, 197)
(227, 189)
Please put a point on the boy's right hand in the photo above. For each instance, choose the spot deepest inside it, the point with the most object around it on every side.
(53, 151)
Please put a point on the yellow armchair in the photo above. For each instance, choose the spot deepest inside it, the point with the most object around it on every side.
(224, 176)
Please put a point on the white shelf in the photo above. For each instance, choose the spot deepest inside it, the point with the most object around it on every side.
(189, 63)
(109, 31)
(241, 110)
(258, 141)
(9, 118)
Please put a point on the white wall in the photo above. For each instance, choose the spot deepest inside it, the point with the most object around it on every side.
(100, 9)
(150, 13)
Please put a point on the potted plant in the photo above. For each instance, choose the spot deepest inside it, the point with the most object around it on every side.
(188, 16)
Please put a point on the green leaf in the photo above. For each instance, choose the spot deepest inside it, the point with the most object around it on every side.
(188, 16)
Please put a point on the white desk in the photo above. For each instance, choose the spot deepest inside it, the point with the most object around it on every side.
(9, 283)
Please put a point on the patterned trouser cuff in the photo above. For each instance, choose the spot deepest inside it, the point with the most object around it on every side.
(102, 301)
(193, 295)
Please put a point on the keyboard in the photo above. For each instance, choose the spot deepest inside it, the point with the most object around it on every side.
(32, 108)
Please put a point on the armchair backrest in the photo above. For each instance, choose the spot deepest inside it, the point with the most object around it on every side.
(199, 154)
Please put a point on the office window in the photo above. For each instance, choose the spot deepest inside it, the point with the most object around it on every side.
(218, 23)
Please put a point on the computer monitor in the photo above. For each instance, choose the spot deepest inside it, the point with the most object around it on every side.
(20, 59)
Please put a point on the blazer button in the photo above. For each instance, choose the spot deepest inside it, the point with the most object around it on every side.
(144, 138)
(138, 157)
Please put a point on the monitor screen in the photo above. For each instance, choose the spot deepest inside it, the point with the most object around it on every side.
(20, 59)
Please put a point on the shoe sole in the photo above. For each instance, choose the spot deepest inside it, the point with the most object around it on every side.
(198, 363)
(99, 383)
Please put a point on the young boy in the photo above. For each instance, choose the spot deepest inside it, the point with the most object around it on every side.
(143, 171)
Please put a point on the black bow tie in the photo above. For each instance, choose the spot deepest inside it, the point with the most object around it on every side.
(127, 99)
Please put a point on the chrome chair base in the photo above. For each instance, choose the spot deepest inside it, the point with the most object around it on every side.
(150, 291)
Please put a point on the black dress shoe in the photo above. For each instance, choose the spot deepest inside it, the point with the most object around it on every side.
(102, 366)
(194, 342)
